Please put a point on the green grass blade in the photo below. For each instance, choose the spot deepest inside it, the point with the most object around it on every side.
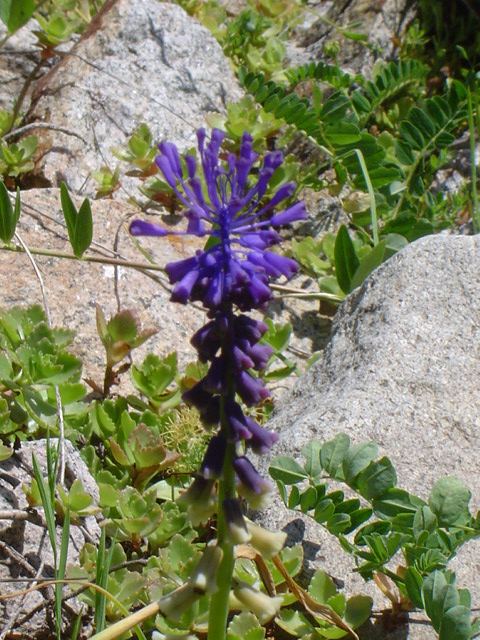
(61, 571)
(371, 194)
(47, 505)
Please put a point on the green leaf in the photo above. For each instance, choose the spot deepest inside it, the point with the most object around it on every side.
(332, 454)
(413, 583)
(449, 500)
(456, 624)
(245, 626)
(371, 261)
(8, 215)
(412, 135)
(321, 587)
(324, 510)
(342, 133)
(287, 470)
(396, 502)
(294, 623)
(357, 459)
(358, 610)
(346, 259)
(311, 452)
(338, 523)
(79, 224)
(376, 479)
(15, 13)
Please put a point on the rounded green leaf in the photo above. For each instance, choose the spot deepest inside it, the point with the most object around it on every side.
(449, 500)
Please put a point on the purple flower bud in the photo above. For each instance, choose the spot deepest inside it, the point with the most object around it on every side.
(207, 341)
(259, 353)
(207, 404)
(251, 390)
(292, 214)
(216, 379)
(262, 440)
(237, 423)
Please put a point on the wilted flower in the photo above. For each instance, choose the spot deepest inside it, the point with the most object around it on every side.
(237, 531)
(248, 598)
(237, 264)
(267, 543)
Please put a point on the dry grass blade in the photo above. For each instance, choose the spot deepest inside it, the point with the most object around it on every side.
(314, 608)
(245, 551)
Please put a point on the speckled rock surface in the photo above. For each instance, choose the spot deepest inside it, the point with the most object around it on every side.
(137, 62)
(402, 369)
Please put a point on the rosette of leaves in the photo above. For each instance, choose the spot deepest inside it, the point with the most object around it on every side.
(34, 361)
(140, 450)
(122, 333)
(16, 157)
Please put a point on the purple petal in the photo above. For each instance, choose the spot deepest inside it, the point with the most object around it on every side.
(142, 228)
(170, 152)
(286, 266)
(183, 290)
(177, 270)
(259, 353)
(292, 214)
(207, 405)
(216, 379)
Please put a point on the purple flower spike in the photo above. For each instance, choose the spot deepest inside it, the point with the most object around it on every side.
(234, 269)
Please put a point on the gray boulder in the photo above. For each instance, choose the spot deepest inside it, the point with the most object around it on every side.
(401, 369)
(137, 62)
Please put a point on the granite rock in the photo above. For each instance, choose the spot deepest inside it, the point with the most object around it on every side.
(401, 369)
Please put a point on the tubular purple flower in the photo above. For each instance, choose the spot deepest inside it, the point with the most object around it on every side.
(251, 390)
(249, 477)
(236, 420)
(207, 404)
(262, 440)
(212, 465)
(142, 228)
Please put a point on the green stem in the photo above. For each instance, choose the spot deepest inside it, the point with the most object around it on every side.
(217, 622)
(471, 126)
(218, 616)
(145, 266)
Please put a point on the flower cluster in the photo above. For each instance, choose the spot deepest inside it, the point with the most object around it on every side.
(232, 273)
